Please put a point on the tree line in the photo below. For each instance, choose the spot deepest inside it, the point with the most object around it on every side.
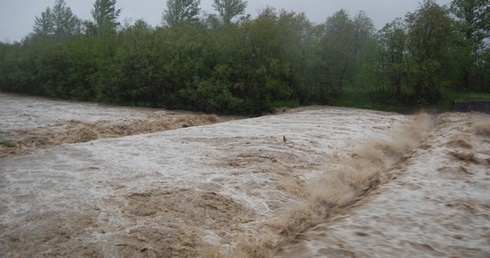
(231, 63)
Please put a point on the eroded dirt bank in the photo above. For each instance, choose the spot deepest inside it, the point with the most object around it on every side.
(248, 188)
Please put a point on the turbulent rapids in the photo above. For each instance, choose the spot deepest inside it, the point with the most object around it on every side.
(86, 180)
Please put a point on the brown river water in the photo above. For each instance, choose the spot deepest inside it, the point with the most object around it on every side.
(86, 180)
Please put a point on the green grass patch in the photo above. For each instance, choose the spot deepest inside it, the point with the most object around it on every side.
(452, 97)
(455, 96)
(362, 99)
(7, 144)
(286, 104)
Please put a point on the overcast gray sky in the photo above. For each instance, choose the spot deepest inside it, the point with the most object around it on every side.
(17, 16)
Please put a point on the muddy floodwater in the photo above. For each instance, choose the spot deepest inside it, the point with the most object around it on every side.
(87, 180)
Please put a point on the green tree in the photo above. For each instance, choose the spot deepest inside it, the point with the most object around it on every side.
(336, 56)
(363, 32)
(44, 24)
(105, 16)
(484, 70)
(181, 11)
(229, 9)
(472, 24)
(59, 21)
(262, 57)
(363, 36)
(65, 22)
(298, 39)
(473, 18)
(429, 41)
(392, 51)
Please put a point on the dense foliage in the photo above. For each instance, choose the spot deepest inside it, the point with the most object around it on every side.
(231, 63)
